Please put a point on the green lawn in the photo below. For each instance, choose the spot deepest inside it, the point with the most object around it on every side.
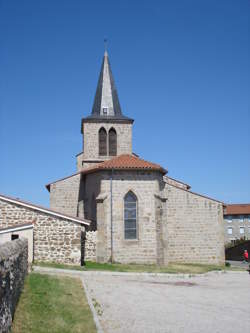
(171, 268)
(52, 304)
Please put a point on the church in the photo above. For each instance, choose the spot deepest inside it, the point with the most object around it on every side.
(138, 213)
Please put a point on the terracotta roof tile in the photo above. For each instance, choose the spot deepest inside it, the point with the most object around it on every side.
(236, 209)
(125, 162)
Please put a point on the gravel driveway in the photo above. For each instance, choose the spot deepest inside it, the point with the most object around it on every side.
(216, 302)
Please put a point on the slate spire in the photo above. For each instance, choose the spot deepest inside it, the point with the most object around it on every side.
(106, 102)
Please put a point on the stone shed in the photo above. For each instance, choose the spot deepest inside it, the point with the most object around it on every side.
(56, 237)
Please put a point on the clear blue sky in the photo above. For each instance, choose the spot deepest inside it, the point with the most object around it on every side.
(181, 69)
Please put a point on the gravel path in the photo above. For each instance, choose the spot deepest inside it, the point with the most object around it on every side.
(212, 303)
(165, 303)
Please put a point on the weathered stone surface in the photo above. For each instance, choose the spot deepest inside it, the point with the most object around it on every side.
(55, 238)
(90, 246)
(91, 141)
(143, 249)
(174, 225)
(64, 195)
(13, 269)
(194, 228)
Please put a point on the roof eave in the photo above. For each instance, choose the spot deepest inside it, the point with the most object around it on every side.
(161, 170)
(45, 210)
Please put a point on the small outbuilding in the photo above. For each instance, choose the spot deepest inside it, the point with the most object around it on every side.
(52, 236)
(19, 231)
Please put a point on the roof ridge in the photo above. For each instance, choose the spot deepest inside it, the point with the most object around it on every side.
(44, 209)
(110, 164)
(179, 181)
(240, 204)
(196, 193)
(101, 165)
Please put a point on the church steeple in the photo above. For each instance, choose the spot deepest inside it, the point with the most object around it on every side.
(106, 103)
(106, 132)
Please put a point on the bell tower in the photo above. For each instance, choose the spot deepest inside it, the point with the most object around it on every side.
(106, 132)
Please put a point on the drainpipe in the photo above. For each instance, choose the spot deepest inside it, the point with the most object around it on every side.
(111, 214)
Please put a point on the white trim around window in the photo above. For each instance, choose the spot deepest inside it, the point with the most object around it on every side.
(242, 230)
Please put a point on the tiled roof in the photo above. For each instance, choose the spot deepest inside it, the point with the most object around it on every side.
(125, 162)
(236, 209)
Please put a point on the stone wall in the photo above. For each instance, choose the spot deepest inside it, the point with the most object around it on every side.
(13, 269)
(90, 246)
(194, 228)
(174, 225)
(143, 249)
(55, 238)
(64, 195)
(91, 139)
(5, 236)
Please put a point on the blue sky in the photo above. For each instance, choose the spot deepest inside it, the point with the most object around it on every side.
(181, 69)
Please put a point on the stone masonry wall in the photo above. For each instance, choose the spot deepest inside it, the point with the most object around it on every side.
(90, 246)
(55, 238)
(194, 228)
(91, 139)
(64, 195)
(143, 249)
(174, 225)
(13, 269)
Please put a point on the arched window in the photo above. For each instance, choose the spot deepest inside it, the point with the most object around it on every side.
(112, 142)
(130, 216)
(102, 142)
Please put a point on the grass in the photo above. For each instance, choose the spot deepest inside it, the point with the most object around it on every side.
(171, 268)
(52, 304)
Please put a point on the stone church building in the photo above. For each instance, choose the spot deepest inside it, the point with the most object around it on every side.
(138, 213)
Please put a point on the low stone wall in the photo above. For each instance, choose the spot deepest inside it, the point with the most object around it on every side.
(90, 246)
(13, 269)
